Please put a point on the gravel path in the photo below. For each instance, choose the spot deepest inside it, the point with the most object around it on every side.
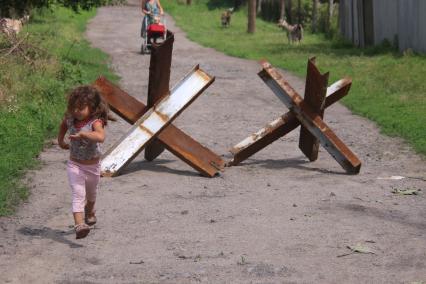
(275, 219)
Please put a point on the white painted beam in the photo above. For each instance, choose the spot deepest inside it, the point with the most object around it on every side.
(154, 120)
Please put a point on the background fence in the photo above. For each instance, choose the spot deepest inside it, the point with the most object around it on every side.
(370, 22)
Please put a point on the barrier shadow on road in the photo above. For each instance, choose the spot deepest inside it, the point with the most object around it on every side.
(387, 215)
(156, 166)
(48, 233)
(296, 163)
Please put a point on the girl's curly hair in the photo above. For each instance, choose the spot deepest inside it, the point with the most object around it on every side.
(87, 95)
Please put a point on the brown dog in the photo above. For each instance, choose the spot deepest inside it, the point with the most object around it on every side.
(294, 32)
(226, 17)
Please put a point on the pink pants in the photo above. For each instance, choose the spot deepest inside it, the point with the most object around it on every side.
(84, 180)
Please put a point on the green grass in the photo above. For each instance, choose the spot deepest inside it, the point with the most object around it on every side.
(33, 94)
(388, 87)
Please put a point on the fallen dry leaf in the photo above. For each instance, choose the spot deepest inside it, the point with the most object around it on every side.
(359, 248)
(405, 191)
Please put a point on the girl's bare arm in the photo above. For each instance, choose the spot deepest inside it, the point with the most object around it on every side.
(144, 11)
(63, 128)
(97, 135)
(161, 8)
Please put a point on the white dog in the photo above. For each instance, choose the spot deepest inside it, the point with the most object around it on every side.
(12, 26)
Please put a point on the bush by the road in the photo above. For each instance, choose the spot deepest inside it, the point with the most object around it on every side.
(33, 84)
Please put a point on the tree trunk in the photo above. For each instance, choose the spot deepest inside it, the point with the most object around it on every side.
(290, 7)
(299, 12)
(237, 4)
(188, 2)
(315, 16)
(282, 10)
(330, 14)
(251, 26)
(259, 6)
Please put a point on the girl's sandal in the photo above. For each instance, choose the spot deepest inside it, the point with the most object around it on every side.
(81, 230)
(89, 218)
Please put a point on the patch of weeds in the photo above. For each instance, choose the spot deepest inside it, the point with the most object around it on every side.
(32, 100)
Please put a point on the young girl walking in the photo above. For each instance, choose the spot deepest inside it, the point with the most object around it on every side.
(85, 118)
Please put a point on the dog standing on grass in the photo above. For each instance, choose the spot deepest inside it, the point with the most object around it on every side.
(294, 32)
(12, 26)
(226, 17)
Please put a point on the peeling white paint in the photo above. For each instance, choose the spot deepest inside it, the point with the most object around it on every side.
(336, 86)
(316, 126)
(256, 136)
(153, 121)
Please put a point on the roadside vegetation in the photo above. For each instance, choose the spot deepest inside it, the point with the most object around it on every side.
(388, 87)
(52, 58)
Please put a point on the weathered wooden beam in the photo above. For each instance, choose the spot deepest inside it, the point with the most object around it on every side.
(158, 84)
(282, 126)
(309, 119)
(315, 93)
(173, 139)
(154, 121)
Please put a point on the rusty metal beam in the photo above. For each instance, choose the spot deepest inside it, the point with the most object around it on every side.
(158, 84)
(173, 139)
(337, 91)
(191, 152)
(282, 126)
(154, 121)
(259, 140)
(121, 103)
(315, 93)
(309, 119)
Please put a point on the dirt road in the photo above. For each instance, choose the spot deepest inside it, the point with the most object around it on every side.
(275, 219)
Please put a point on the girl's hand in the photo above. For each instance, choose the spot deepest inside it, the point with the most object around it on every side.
(62, 130)
(64, 145)
(97, 135)
(76, 136)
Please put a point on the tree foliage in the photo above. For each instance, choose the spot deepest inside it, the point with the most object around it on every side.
(85, 4)
(318, 15)
(17, 8)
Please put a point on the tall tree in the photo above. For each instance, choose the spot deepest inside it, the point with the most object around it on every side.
(251, 26)
(282, 9)
(17, 8)
(315, 16)
(299, 12)
(237, 4)
(330, 14)
(290, 7)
